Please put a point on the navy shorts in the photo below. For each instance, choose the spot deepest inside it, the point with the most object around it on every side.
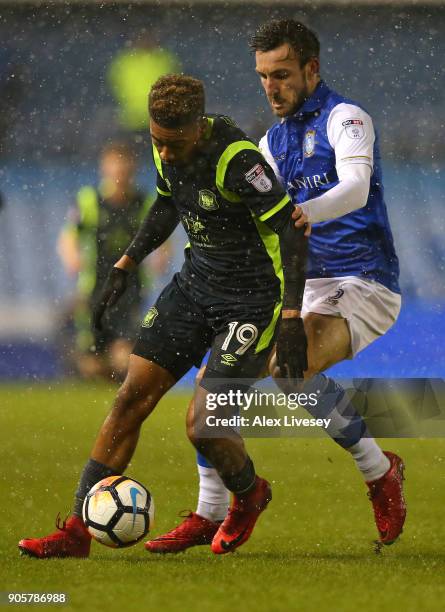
(180, 328)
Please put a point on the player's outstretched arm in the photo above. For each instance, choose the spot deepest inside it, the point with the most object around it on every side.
(158, 225)
(351, 135)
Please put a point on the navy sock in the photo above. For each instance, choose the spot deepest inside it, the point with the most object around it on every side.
(243, 480)
(92, 473)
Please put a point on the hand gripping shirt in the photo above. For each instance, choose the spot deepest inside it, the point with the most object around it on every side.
(224, 199)
(306, 150)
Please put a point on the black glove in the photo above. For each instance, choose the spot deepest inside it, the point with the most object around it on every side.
(114, 287)
(292, 348)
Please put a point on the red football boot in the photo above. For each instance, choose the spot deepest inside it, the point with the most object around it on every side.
(70, 540)
(242, 516)
(194, 530)
(386, 495)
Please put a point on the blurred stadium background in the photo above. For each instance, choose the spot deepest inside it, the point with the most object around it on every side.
(313, 548)
(57, 111)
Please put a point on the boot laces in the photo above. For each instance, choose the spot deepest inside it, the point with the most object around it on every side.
(186, 515)
(61, 527)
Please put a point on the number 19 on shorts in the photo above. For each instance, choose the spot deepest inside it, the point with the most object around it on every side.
(245, 334)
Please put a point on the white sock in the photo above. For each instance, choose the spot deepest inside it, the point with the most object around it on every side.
(369, 459)
(214, 498)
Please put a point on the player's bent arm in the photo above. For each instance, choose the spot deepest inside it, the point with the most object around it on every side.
(250, 178)
(293, 250)
(291, 339)
(350, 194)
(350, 133)
(158, 225)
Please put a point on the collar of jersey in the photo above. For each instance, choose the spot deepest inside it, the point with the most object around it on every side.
(315, 102)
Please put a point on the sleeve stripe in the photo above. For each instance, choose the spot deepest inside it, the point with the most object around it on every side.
(157, 161)
(233, 149)
(161, 192)
(355, 157)
(275, 209)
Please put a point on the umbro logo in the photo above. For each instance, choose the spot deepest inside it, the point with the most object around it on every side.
(228, 359)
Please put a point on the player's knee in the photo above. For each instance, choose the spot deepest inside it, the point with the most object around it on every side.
(134, 402)
(119, 354)
(191, 434)
(192, 429)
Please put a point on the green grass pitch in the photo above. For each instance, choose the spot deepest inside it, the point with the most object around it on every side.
(312, 548)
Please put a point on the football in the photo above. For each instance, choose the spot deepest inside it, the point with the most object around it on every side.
(118, 511)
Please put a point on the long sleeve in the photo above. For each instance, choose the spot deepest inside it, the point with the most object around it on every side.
(158, 225)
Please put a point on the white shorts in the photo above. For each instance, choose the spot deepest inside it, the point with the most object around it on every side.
(369, 308)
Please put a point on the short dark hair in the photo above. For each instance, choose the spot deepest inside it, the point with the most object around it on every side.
(176, 100)
(275, 33)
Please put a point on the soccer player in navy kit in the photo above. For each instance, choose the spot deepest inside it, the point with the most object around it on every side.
(325, 153)
(243, 273)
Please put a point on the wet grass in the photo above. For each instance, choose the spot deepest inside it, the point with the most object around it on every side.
(312, 549)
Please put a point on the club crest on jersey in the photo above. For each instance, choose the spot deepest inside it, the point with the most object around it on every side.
(207, 200)
(309, 143)
(258, 178)
(150, 317)
(354, 128)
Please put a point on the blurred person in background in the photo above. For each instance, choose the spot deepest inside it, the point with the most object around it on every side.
(98, 229)
(131, 75)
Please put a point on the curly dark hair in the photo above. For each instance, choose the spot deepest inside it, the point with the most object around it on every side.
(275, 33)
(176, 100)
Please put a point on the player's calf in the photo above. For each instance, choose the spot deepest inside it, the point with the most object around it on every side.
(228, 456)
(144, 386)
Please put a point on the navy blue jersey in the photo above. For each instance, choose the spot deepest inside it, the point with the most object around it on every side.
(224, 198)
(306, 150)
